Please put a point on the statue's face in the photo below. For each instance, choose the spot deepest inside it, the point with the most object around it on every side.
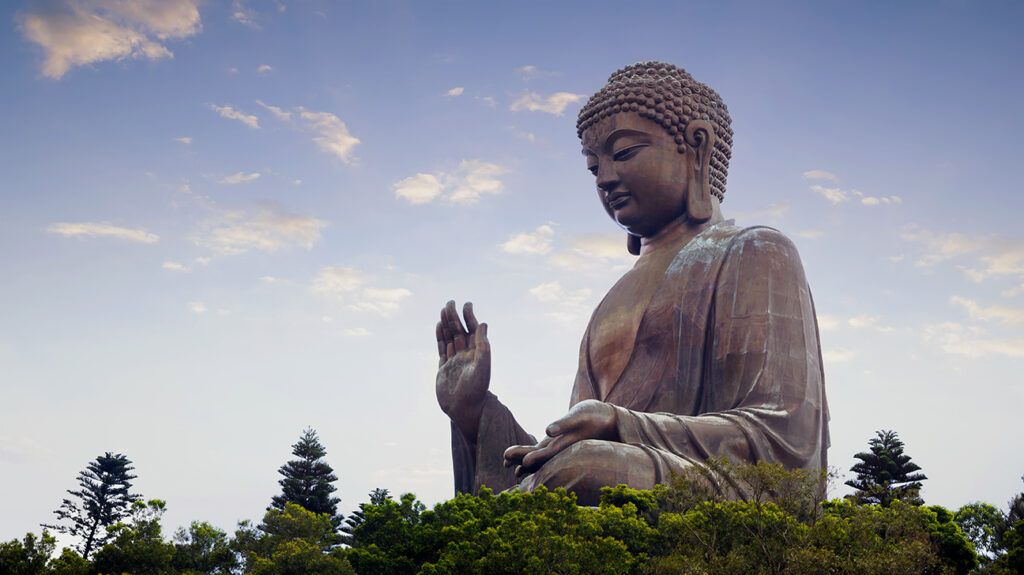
(641, 176)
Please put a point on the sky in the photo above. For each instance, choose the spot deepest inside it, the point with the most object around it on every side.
(224, 222)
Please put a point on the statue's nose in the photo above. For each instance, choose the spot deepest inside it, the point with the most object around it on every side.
(607, 178)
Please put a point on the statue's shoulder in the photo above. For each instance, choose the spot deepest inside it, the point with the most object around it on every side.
(735, 243)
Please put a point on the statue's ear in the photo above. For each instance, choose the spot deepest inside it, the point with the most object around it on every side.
(633, 244)
(700, 138)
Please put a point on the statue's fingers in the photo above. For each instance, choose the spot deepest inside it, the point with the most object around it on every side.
(449, 349)
(441, 343)
(444, 324)
(480, 341)
(538, 457)
(471, 322)
(514, 454)
(454, 325)
(566, 423)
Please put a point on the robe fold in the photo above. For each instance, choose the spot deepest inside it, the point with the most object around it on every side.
(726, 363)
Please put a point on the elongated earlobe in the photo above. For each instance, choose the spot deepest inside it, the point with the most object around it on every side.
(700, 137)
(633, 244)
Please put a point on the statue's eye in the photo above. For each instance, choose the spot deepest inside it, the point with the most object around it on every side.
(628, 152)
(592, 169)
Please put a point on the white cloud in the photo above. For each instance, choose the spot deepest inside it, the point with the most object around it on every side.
(278, 113)
(488, 101)
(998, 313)
(184, 140)
(197, 307)
(834, 195)
(597, 251)
(243, 14)
(827, 322)
(820, 175)
(554, 104)
(97, 230)
(772, 212)
(940, 247)
(232, 114)
(383, 301)
(338, 280)
(264, 69)
(240, 178)
(455, 92)
(419, 189)
(528, 71)
(472, 180)
(175, 267)
(349, 285)
(972, 342)
(570, 306)
(268, 229)
(879, 201)
(81, 32)
(357, 332)
(537, 242)
(867, 322)
(837, 355)
(333, 135)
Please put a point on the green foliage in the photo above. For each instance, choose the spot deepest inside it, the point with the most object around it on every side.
(377, 497)
(103, 499)
(28, 556)
(1012, 561)
(202, 548)
(981, 523)
(886, 474)
(69, 562)
(284, 539)
(138, 547)
(307, 480)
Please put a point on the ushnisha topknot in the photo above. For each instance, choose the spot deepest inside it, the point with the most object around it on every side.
(671, 97)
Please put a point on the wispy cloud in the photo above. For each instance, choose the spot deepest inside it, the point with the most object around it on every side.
(175, 267)
(820, 175)
(184, 140)
(332, 136)
(827, 322)
(972, 341)
(554, 104)
(834, 195)
(471, 181)
(352, 287)
(569, 305)
(102, 230)
(80, 32)
(772, 212)
(197, 307)
(264, 69)
(595, 251)
(537, 242)
(837, 355)
(278, 113)
(232, 114)
(243, 14)
(240, 178)
(976, 311)
(864, 321)
(418, 189)
(455, 92)
(879, 200)
(267, 229)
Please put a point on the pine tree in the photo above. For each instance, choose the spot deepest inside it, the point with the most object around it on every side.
(886, 474)
(307, 480)
(377, 497)
(104, 498)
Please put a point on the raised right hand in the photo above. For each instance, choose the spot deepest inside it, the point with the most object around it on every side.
(464, 371)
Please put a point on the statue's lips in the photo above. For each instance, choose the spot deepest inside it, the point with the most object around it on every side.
(616, 201)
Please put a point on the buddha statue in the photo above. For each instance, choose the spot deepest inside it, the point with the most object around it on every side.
(707, 348)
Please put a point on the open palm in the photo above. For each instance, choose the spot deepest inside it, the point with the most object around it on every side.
(464, 370)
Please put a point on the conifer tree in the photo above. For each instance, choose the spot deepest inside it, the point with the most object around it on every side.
(377, 497)
(307, 480)
(103, 499)
(886, 474)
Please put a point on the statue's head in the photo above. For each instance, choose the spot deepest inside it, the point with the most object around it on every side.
(659, 144)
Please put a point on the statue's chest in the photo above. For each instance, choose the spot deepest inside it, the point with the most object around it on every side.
(617, 321)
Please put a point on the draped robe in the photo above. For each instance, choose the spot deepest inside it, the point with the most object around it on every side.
(726, 363)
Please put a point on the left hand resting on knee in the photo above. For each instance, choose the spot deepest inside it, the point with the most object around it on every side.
(588, 419)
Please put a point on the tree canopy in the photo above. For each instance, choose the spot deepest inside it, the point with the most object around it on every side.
(886, 474)
(307, 481)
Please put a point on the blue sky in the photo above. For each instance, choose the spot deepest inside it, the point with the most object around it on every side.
(222, 222)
